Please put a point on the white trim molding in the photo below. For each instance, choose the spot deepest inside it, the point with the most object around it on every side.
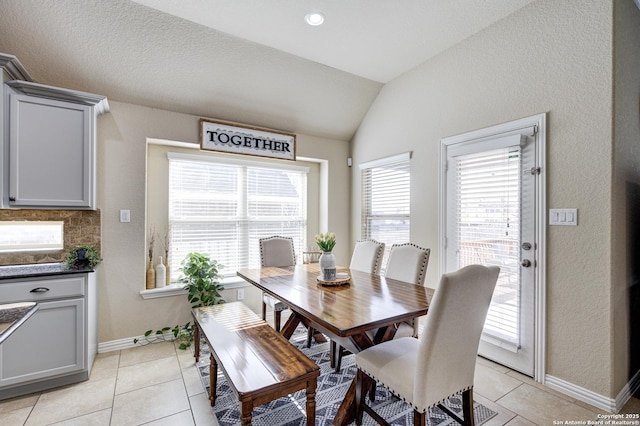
(610, 405)
(176, 289)
(405, 156)
(116, 345)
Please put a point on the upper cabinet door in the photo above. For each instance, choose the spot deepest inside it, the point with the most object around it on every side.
(51, 153)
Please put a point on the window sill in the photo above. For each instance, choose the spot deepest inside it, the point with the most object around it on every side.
(178, 290)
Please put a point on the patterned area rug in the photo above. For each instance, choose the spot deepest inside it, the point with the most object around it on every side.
(332, 386)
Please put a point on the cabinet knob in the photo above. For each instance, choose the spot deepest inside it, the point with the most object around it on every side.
(12, 198)
(39, 290)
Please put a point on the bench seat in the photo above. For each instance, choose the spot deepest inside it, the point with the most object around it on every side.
(259, 364)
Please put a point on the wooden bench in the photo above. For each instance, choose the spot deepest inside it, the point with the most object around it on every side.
(259, 364)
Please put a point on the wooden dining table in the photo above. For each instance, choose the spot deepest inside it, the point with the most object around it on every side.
(344, 313)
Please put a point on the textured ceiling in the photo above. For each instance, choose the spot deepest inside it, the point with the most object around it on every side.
(378, 40)
(250, 61)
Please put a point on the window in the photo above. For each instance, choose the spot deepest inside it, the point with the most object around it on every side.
(222, 207)
(386, 200)
(31, 235)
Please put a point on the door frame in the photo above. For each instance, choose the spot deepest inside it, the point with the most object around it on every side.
(538, 123)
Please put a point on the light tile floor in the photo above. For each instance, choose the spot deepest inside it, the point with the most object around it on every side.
(159, 385)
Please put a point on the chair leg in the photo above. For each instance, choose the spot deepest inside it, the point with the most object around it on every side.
(332, 353)
(372, 391)
(467, 408)
(278, 316)
(309, 336)
(338, 360)
(359, 396)
(419, 419)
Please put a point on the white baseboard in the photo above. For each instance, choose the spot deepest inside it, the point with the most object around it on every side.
(116, 345)
(605, 403)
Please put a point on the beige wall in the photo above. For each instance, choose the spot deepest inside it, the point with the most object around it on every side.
(625, 280)
(122, 148)
(555, 57)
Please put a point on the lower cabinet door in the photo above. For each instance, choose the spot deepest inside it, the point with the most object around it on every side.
(49, 344)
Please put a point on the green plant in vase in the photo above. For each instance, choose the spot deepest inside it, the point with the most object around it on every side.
(327, 242)
(82, 257)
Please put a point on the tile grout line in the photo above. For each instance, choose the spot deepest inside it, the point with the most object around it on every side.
(115, 386)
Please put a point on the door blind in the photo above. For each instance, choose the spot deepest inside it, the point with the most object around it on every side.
(222, 209)
(487, 197)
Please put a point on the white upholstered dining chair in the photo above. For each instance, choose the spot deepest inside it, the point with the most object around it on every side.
(408, 263)
(276, 251)
(366, 257)
(441, 362)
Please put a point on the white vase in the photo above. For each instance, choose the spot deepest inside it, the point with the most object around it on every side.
(328, 266)
(161, 274)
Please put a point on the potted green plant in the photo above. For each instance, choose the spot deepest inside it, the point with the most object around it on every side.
(82, 257)
(202, 282)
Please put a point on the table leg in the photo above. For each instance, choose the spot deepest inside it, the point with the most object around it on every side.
(319, 337)
(213, 379)
(290, 326)
(347, 411)
(315, 334)
(196, 341)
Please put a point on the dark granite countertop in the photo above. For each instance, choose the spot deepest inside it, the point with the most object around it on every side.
(13, 315)
(37, 270)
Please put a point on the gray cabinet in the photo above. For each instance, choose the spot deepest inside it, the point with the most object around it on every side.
(52, 146)
(55, 346)
(10, 69)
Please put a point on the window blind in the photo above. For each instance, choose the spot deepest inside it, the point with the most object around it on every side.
(487, 195)
(222, 209)
(386, 201)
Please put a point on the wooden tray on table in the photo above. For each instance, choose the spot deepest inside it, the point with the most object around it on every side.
(342, 278)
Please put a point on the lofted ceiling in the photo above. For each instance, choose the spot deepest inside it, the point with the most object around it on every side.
(250, 61)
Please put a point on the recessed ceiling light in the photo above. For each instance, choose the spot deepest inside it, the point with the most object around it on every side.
(314, 18)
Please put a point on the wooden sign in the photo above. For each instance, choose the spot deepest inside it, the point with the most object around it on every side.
(226, 137)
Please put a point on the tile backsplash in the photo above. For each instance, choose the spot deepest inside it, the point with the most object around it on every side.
(81, 227)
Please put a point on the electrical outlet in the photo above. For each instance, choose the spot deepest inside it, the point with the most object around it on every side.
(240, 294)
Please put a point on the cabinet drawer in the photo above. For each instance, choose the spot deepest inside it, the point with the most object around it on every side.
(42, 289)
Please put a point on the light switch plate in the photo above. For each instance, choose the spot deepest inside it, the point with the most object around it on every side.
(563, 217)
(125, 216)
